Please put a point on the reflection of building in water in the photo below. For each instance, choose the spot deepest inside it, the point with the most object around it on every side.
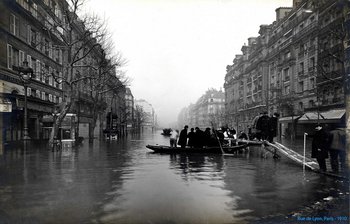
(207, 111)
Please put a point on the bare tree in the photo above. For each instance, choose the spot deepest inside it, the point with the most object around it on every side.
(105, 78)
(80, 37)
(140, 117)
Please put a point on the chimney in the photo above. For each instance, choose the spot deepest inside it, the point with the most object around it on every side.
(281, 12)
(296, 3)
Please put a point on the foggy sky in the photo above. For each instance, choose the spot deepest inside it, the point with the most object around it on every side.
(176, 50)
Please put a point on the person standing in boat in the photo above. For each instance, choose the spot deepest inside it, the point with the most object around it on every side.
(191, 138)
(198, 140)
(207, 137)
(173, 138)
(183, 137)
(320, 147)
(273, 127)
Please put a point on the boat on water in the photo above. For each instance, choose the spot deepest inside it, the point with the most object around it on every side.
(166, 132)
(206, 150)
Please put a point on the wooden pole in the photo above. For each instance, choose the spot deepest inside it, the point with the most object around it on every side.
(305, 134)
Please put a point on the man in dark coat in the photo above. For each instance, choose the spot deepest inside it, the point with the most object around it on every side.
(191, 138)
(263, 125)
(320, 147)
(273, 127)
(183, 137)
(199, 141)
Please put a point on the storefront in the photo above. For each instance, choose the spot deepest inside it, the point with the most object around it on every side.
(13, 118)
(329, 119)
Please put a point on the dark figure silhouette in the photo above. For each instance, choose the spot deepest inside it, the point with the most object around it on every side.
(273, 127)
(183, 137)
(207, 137)
(263, 126)
(199, 139)
(191, 138)
(243, 135)
(255, 131)
(320, 147)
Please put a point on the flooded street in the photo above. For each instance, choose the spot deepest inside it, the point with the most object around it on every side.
(123, 182)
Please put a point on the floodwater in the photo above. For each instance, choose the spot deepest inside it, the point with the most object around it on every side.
(124, 182)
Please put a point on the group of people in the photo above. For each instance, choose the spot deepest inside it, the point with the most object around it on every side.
(264, 127)
(329, 144)
(196, 138)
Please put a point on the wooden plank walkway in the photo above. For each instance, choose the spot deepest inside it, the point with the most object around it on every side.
(310, 163)
(298, 158)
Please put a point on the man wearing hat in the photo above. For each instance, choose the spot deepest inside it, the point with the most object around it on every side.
(320, 147)
(183, 137)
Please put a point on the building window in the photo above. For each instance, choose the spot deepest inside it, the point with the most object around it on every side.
(38, 70)
(21, 58)
(301, 106)
(286, 90)
(312, 63)
(14, 25)
(43, 96)
(312, 83)
(301, 86)
(35, 71)
(31, 36)
(311, 103)
(286, 74)
(43, 72)
(13, 57)
(46, 47)
(301, 68)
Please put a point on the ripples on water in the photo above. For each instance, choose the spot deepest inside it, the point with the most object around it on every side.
(123, 182)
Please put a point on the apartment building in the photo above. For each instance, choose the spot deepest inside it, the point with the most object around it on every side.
(129, 110)
(295, 67)
(208, 111)
(24, 36)
(148, 117)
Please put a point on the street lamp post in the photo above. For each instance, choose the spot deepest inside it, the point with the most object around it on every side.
(25, 74)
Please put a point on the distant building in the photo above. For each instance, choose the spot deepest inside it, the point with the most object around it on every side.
(129, 113)
(148, 122)
(208, 111)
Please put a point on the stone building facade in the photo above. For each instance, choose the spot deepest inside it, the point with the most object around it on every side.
(295, 67)
(24, 37)
(208, 111)
(35, 31)
(148, 119)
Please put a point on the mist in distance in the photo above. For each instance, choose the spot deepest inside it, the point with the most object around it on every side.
(176, 50)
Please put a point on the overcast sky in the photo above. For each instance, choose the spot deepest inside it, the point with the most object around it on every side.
(176, 50)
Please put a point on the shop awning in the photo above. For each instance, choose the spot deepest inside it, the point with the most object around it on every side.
(330, 116)
(288, 119)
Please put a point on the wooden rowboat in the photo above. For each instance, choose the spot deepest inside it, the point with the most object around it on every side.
(207, 150)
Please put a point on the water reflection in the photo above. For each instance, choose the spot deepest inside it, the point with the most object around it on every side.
(123, 182)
